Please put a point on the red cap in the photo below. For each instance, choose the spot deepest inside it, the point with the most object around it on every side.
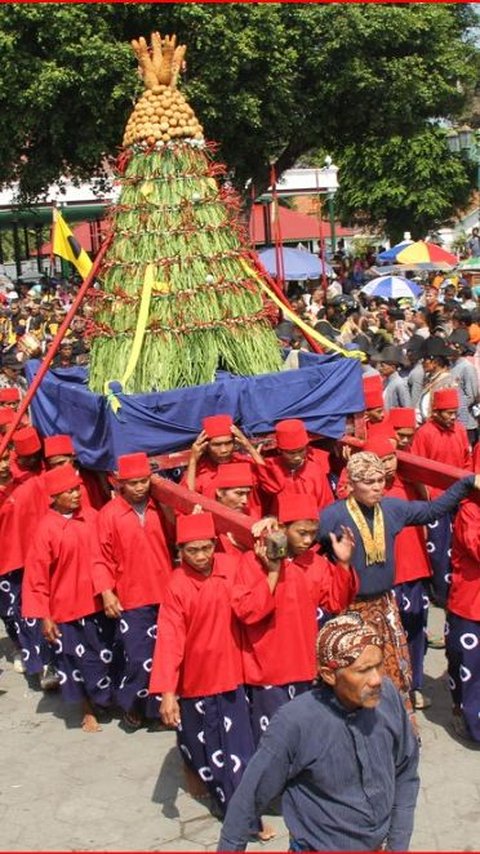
(26, 441)
(131, 466)
(217, 425)
(58, 446)
(379, 445)
(61, 479)
(6, 415)
(295, 506)
(372, 381)
(445, 398)
(291, 434)
(373, 397)
(231, 475)
(382, 430)
(402, 416)
(197, 526)
(9, 395)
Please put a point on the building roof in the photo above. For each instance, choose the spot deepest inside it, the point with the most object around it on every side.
(293, 225)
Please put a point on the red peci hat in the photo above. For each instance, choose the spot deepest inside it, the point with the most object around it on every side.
(9, 395)
(402, 416)
(293, 507)
(197, 526)
(445, 398)
(373, 398)
(131, 466)
(291, 434)
(372, 381)
(6, 415)
(379, 445)
(231, 475)
(217, 425)
(382, 430)
(26, 441)
(58, 446)
(61, 479)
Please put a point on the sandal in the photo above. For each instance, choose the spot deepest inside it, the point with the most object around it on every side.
(131, 722)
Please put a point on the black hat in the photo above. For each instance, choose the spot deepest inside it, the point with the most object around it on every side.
(392, 355)
(434, 347)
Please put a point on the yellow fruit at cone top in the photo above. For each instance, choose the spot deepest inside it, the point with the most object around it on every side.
(161, 113)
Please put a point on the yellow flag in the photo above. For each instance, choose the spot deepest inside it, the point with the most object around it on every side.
(68, 247)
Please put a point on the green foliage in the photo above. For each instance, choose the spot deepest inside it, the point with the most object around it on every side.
(266, 80)
(409, 183)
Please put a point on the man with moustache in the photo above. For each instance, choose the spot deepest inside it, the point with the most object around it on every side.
(343, 756)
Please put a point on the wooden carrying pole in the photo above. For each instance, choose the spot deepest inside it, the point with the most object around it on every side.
(52, 350)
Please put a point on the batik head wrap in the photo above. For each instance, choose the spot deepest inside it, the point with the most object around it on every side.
(363, 462)
(342, 640)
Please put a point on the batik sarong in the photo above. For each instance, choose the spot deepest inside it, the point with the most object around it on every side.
(83, 660)
(134, 642)
(462, 642)
(412, 600)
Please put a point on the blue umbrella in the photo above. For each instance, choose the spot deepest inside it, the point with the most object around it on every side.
(391, 287)
(298, 264)
(391, 254)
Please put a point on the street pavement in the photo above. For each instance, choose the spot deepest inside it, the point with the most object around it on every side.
(65, 790)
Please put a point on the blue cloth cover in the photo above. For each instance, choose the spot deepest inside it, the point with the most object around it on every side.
(322, 392)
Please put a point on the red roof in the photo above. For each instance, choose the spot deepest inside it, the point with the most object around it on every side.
(293, 225)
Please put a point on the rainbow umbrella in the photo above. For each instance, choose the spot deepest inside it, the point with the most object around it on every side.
(422, 252)
(470, 264)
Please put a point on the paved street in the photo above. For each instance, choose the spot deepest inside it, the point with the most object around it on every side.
(64, 790)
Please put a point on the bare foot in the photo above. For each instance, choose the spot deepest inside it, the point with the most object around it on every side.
(90, 723)
(267, 832)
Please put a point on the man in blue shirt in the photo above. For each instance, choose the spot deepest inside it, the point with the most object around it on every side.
(343, 756)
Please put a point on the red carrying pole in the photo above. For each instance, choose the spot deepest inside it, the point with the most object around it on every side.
(47, 359)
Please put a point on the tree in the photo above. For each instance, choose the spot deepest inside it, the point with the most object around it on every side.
(407, 183)
(267, 80)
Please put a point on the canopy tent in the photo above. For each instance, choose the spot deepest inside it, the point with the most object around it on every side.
(298, 264)
(323, 391)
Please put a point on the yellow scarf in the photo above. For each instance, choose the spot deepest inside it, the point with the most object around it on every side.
(374, 545)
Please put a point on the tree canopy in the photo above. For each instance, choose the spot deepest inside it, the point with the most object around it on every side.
(268, 81)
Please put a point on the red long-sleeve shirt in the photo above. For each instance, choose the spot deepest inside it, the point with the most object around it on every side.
(278, 631)
(410, 551)
(57, 581)
(445, 446)
(464, 594)
(197, 650)
(26, 507)
(130, 558)
(310, 479)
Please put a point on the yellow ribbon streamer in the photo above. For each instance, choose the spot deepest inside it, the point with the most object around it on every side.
(148, 285)
(328, 345)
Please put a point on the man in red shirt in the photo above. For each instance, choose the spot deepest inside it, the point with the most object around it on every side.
(373, 395)
(58, 590)
(197, 666)
(462, 628)
(6, 417)
(276, 601)
(131, 570)
(9, 397)
(27, 460)
(59, 450)
(215, 446)
(296, 468)
(444, 439)
(404, 422)
(412, 570)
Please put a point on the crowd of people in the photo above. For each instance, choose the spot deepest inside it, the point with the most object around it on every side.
(120, 602)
